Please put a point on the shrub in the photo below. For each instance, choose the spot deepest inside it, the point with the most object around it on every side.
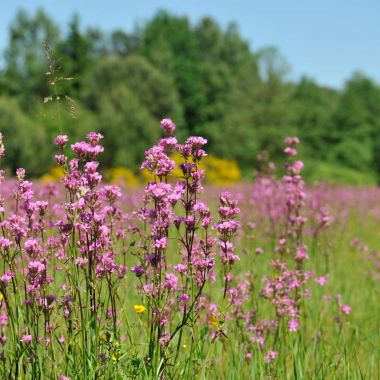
(335, 174)
(122, 175)
(218, 171)
(53, 175)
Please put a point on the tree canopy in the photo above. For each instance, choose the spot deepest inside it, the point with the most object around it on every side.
(208, 79)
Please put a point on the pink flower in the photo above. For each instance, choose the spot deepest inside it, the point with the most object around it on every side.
(27, 339)
(158, 162)
(290, 151)
(227, 227)
(91, 166)
(161, 243)
(61, 141)
(94, 138)
(171, 281)
(270, 356)
(196, 141)
(168, 143)
(80, 261)
(5, 243)
(259, 251)
(346, 309)
(158, 190)
(297, 167)
(6, 278)
(32, 248)
(168, 126)
(301, 254)
(36, 267)
(180, 268)
(183, 298)
(321, 280)
(61, 159)
(2, 149)
(292, 140)
(85, 150)
(111, 192)
(164, 340)
(3, 319)
(293, 325)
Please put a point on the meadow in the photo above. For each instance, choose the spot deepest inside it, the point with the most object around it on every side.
(269, 279)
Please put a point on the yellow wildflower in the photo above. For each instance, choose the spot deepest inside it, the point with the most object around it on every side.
(213, 320)
(139, 308)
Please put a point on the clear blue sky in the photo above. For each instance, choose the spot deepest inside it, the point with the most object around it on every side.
(324, 39)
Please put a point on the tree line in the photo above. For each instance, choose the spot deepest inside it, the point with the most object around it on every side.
(208, 79)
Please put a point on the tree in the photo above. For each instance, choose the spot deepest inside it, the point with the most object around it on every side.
(23, 138)
(154, 91)
(25, 57)
(357, 124)
(170, 44)
(74, 53)
(123, 43)
(128, 127)
(312, 107)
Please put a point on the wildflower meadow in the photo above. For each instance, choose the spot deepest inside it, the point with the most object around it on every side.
(180, 279)
(189, 190)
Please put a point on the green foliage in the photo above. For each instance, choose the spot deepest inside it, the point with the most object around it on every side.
(170, 44)
(206, 78)
(25, 61)
(353, 153)
(64, 116)
(322, 171)
(154, 91)
(74, 53)
(127, 126)
(312, 107)
(23, 137)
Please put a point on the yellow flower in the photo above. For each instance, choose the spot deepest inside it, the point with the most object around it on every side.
(1, 296)
(213, 320)
(139, 308)
(113, 357)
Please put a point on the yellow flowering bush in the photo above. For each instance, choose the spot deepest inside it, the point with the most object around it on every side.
(146, 176)
(219, 171)
(121, 174)
(53, 175)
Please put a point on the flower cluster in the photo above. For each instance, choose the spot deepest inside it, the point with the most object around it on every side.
(178, 284)
(227, 228)
(99, 280)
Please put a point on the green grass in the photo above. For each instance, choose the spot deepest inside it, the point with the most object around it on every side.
(321, 349)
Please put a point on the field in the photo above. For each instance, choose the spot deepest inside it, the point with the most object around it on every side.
(269, 279)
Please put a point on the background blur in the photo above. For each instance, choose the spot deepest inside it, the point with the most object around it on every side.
(244, 74)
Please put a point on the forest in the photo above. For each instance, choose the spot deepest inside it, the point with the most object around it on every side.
(206, 78)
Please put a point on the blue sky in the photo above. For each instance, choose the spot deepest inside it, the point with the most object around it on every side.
(324, 39)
